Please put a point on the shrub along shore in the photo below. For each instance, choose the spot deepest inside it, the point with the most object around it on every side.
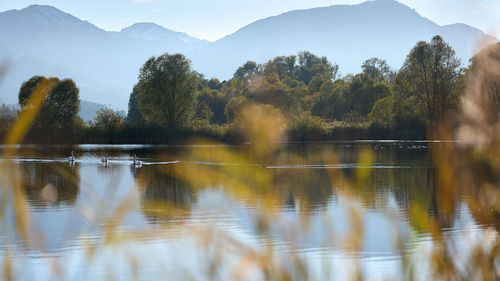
(153, 134)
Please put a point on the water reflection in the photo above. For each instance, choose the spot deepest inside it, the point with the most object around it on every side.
(313, 190)
(163, 193)
(50, 184)
(403, 172)
(308, 188)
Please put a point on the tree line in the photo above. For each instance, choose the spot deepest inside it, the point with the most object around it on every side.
(171, 100)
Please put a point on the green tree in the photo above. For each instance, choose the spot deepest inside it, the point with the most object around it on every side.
(233, 88)
(108, 120)
(303, 67)
(284, 66)
(408, 115)
(430, 73)
(203, 112)
(7, 116)
(362, 93)
(247, 72)
(378, 69)
(271, 90)
(134, 115)
(382, 113)
(316, 81)
(234, 107)
(310, 65)
(60, 107)
(166, 90)
(211, 103)
(214, 84)
(330, 103)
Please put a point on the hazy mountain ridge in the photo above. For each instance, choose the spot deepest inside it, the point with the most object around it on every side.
(88, 110)
(42, 40)
(346, 34)
(153, 32)
(44, 15)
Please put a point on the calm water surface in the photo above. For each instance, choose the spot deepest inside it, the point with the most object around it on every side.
(117, 222)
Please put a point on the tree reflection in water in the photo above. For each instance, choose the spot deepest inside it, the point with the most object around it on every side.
(49, 184)
(163, 193)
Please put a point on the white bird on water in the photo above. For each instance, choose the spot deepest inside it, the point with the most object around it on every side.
(137, 163)
(71, 159)
(105, 159)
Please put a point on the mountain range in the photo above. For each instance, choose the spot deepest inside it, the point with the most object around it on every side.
(42, 40)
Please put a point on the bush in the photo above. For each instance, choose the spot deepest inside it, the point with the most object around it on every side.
(307, 127)
(382, 113)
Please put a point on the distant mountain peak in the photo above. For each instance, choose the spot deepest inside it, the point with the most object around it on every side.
(148, 31)
(386, 3)
(154, 32)
(392, 4)
(38, 7)
(44, 10)
(144, 26)
(43, 15)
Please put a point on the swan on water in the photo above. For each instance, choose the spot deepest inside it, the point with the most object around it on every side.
(71, 159)
(137, 163)
(105, 158)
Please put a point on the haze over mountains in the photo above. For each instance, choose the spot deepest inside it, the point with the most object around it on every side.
(46, 41)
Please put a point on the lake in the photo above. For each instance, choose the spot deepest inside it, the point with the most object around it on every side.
(328, 211)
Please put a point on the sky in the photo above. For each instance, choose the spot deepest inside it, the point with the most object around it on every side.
(214, 19)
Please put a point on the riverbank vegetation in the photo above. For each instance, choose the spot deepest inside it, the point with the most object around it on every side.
(171, 101)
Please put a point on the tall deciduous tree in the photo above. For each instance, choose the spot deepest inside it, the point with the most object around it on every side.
(310, 65)
(247, 72)
(7, 116)
(60, 107)
(134, 115)
(330, 103)
(108, 120)
(166, 90)
(234, 107)
(378, 69)
(430, 73)
(363, 92)
(284, 66)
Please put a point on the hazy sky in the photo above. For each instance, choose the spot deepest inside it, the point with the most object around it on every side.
(213, 19)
